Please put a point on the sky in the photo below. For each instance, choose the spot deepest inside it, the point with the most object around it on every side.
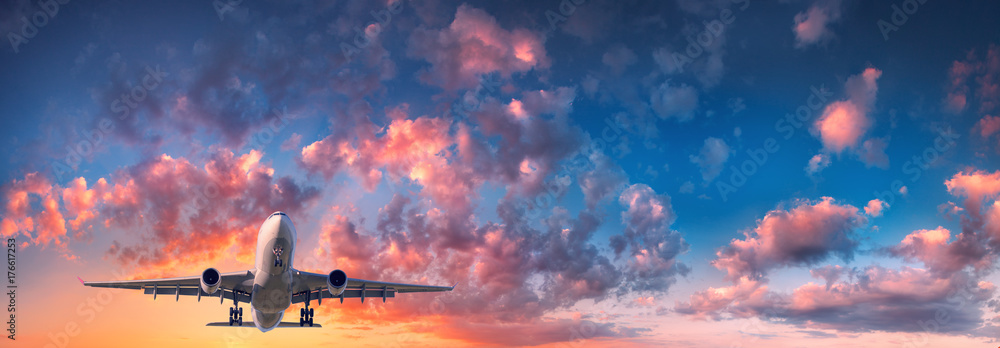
(590, 173)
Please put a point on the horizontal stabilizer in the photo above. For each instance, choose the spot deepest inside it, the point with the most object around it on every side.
(250, 324)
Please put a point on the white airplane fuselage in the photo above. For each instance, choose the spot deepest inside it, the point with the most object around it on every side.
(272, 284)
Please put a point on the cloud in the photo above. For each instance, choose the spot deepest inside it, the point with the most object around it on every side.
(603, 181)
(45, 225)
(992, 225)
(984, 72)
(618, 58)
(812, 27)
(712, 158)
(841, 126)
(881, 297)
(853, 300)
(591, 22)
(292, 142)
(988, 126)
(677, 102)
(515, 270)
(687, 187)
(873, 298)
(401, 152)
(530, 333)
(711, 303)
(179, 203)
(938, 253)
(80, 201)
(510, 272)
(844, 122)
(653, 247)
(474, 45)
(708, 70)
(874, 207)
(817, 163)
(808, 233)
(872, 153)
(976, 186)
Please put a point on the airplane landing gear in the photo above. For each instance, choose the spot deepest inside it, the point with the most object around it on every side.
(235, 312)
(306, 315)
(236, 316)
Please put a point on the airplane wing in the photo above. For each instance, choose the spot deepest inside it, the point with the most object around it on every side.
(313, 286)
(233, 284)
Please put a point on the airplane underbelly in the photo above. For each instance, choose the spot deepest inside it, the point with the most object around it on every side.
(270, 300)
(266, 321)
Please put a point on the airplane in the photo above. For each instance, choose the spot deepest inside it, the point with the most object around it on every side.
(272, 285)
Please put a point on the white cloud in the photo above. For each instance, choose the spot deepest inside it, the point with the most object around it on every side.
(712, 158)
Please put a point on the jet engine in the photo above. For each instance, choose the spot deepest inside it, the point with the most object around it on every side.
(210, 281)
(336, 282)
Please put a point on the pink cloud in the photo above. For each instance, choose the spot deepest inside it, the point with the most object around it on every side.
(976, 78)
(44, 227)
(292, 142)
(710, 303)
(976, 186)
(993, 221)
(80, 201)
(423, 149)
(602, 181)
(178, 202)
(843, 123)
(987, 126)
(938, 253)
(876, 297)
(808, 233)
(812, 26)
(874, 207)
(411, 243)
(474, 45)
(653, 247)
(882, 296)
(327, 156)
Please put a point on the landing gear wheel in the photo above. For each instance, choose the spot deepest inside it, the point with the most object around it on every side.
(310, 312)
(302, 312)
(310, 321)
(235, 316)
